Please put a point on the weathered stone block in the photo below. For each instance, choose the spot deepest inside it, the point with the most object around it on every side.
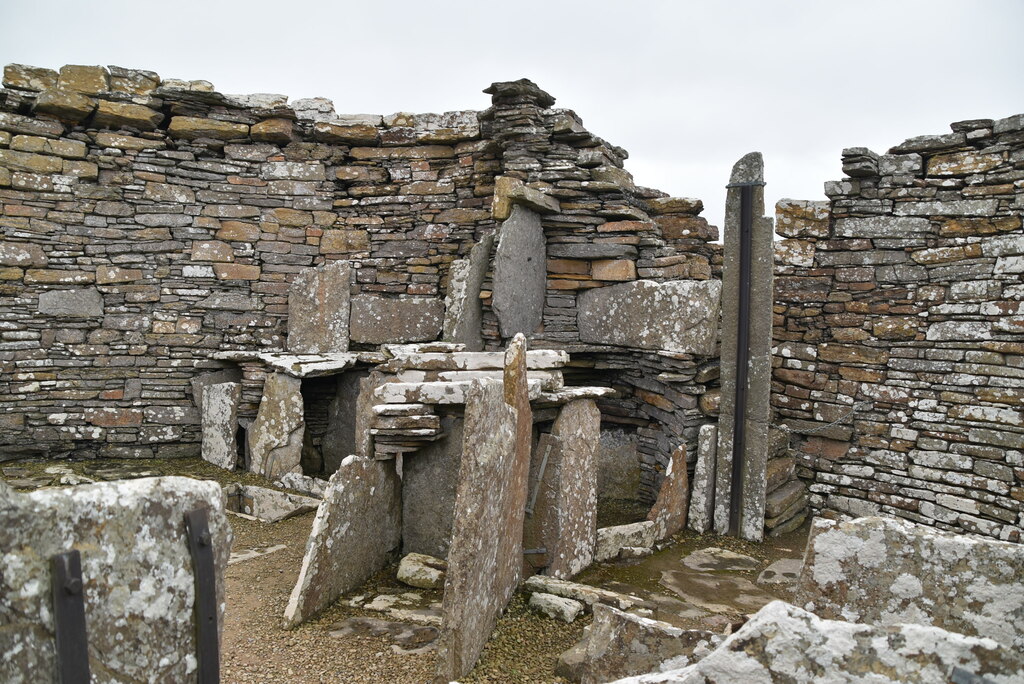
(220, 423)
(676, 316)
(68, 106)
(344, 241)
(131, 534)
(191, 128)
(71, 149)
(25, 77)
(356, 531)
(78, 78)
(509, 192)
(133, 81)
(275, 436)
(381, 320)
(888, 571)
(519, 273)
(22, 254)
(82, 303)
(319, 310)
(671, 507)
(125, 114)
(279, 131)
(614, 270)
(784, 643)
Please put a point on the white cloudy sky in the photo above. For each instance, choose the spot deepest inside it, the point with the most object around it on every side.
(687, 87)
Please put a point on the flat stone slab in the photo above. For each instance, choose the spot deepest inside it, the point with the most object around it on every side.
(409, 606)
(584, 593)
(302, 365)
(275, 436)
(611, 540)
(888, 571)
(520, 273)
(536, 359)
(380, 320)
(783, 572)
(556, 607)
(726, 594)
(220, 423)
(713, 559)
(671, 507)
(783, 643)
(318, 309)
(268, 505)
(422, 571)
(405, 638)
(136, 569)
(679, 316)
(357, 528)
(435, 392)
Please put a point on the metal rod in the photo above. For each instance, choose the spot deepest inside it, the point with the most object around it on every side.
(540, 477)
(200, 544)
(69, 618)
(742, 358)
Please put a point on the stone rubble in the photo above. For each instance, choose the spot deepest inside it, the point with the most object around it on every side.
(422, 571)
(268, 505)
(556, 607)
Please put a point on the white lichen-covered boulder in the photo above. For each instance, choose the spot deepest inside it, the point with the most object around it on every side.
(422, 571)
(137, 575)
(783, 643)
(887, 571)
(556, 607)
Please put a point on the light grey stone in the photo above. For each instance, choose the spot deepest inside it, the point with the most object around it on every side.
(702, 496)
(680, 315)
(382, 320)
(712, 559)
(339, 440)
(591, 250)
(783, 571)
(784, 643)
(268, 505)
(136, 569)
(489, 506)
(611, 540)
(358, 527)
(422, 571)
(888, 571)
(520, 273)
(620, 644)
(318, 309)
(757, 409)
(199, 382)
(563, 517)
(311, 486)
(982, 207)
(83, 303)
(882, 227)
(556, 607)
(275, 436)
(463, 311)
(220, 423)
(584, 593)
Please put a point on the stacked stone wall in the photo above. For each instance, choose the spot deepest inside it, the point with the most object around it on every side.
(899, 331)
(146, 224)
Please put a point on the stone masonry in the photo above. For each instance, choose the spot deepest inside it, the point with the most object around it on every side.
(899, 316)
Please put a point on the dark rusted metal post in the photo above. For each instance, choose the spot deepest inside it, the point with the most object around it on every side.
(200, 544)
(742, 357)
(69, 618)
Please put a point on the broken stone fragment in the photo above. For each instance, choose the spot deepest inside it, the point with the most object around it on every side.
(584, 593)
(275, 436)
(672, 505)
(610, 540)
(191, 128)
(509, 191)
(220, 423)
(136, 82)
(422, 571)
(784, 643)
(68, 106)
(620, 645)
(714, 559)
(887, 571)
(556, 607)
(276, 130)
(136, 569)
(116, 115)
(268, 505)
(674, 205)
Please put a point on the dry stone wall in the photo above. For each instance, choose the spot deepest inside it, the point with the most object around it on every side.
(899, 331)
(147, 223)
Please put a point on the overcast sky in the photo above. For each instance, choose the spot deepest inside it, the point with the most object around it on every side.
(687, 87)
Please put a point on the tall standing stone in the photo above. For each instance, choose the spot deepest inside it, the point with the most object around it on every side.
(137, 576)
(318, 309)
(702, 496)
(563, 492)
(462, 314)
(754, 412)
(520, 273)
(357, 528)
(671, 507)
(275, 436)
(220, 423)
(485, 558)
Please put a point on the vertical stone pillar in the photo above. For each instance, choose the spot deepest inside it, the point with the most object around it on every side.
(746, 363)
(318, 309)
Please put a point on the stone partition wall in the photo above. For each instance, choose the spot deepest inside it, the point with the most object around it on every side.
(146, 224)
(899, 331)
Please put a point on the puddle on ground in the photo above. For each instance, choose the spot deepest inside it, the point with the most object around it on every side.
(702, 598)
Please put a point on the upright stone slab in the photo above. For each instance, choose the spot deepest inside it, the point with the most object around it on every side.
(702, 496)
(485, 559)
(275, 437)
(356, 532)
(671, 507)
(679, 316)
(462, 314)
(220, 423)
(564, 496)
(756, 411)
(520, 273)
(318, 309)
(429, 479)
(887, 571)
(136, 570)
